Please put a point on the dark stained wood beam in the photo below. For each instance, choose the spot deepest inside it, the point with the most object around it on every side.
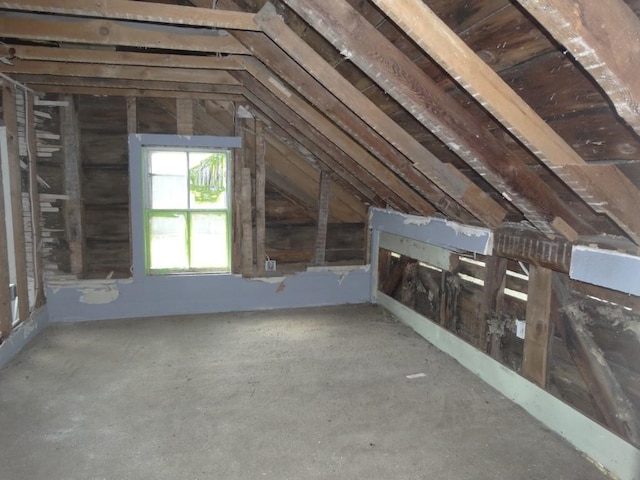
(338, 137)
(603, 38)
(360, 42)
(446, 177)
(608, 191)
(139, 11)
(492, 303)
(114, 32)
(130, 72)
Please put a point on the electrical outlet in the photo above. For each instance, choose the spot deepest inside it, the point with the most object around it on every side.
(270, 265)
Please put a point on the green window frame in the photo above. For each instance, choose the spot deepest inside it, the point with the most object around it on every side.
(187, 210)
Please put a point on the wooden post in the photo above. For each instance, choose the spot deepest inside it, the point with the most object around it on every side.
(15, 182)
(261, 150)
(247, 228)
(449, 293)
(6, 316)
(323, 218)
(132, 115)
(539, 329)
(70, 129)
(236, 202)
(34, 200)
(184, 116)
(492, 300)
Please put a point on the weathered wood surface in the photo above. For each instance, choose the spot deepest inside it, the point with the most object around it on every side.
(404, 81)
(323, 218)
(261, 179)
(140, 12)
(10, 115)
(184, 116)
(602, 37)
(114, 32)
(6, 314)
(539, 327)
(491, 308)
(247, 229)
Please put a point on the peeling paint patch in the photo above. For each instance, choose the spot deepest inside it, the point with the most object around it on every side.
(341, 268)
(413, 220)
(268, 279)
(280, 287)
(99, 295)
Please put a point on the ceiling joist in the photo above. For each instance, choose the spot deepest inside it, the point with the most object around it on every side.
(139, 11)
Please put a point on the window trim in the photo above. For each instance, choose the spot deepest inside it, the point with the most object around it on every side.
(137, 144)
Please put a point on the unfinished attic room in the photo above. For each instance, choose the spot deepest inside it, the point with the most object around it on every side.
(311, 239)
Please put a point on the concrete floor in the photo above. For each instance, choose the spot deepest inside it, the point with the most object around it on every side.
(300, 394)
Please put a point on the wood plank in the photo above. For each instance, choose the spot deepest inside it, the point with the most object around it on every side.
(236, 202)
(600, 191)
(247, 229)
(132, 116)
(6, 315)
(618, 413)
(140, 12)
(261, 180)
(115, 32)
(131, 72)
(323, 218)
(34, 200)
(338, 137)
(457, 187)
(10, 114)
(184, 116)
(70, 132)
(429, 104)
(109, 57)
(539, 329)
(602, 37)
(492, 305)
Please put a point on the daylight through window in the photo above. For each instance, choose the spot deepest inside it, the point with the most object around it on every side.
(187, 211)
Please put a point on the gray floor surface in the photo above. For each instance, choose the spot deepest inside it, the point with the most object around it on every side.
(297, 394)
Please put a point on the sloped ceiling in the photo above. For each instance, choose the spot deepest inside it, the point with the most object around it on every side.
(483, 111)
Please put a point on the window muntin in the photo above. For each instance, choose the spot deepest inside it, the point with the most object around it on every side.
(187, 214)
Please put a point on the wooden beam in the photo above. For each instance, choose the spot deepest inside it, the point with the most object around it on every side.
(107, 32)
(602, 191)
(219, 77)
(184, 116)
(603, 38)
(15, 184)
(469, 138)
(112, 57)
(491, 306)
(539, 329)
(6, 315)
(377, 146)
(74, 225)
(618, 413)
(284, 121)
(261, 180)
(323, 218)
(338, 137)
(236, 202)
(446, 177)
(34, 200)
(140, 12)
(247, 229)
(132, 115)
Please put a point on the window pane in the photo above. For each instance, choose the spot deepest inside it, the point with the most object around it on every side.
(168, 244)
(208, 180)
(209, 248)
(169, 189)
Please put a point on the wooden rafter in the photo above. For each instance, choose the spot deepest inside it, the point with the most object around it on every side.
(218, 77)
(111, 57)
(139, 11)
(115, 32)
(337, 136)
(446, 177)
(469, 138)
(377, 146)
(601, 191)
(603, 38)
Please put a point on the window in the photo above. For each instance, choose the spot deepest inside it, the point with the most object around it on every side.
(187, 210)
